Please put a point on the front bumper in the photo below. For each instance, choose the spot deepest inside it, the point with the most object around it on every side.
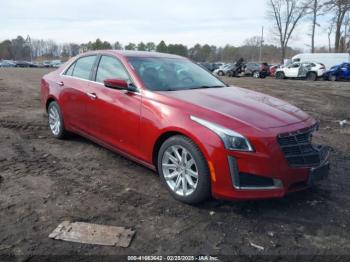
(259, 176)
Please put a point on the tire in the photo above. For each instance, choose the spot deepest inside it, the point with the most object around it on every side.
(55, 119)
(256, 74)
(280, 75)
(333, 78)
(174, 172)
(220, 73)
(311, 76)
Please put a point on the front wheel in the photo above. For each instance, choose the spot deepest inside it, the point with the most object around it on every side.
(256, 74)
(56, 120)
(183, 169)
(280, 75)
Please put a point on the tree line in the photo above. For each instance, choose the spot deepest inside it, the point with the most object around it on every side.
(24, 49)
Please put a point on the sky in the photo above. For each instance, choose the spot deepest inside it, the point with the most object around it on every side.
(181, 21)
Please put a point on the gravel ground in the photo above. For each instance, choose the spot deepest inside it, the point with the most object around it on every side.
(44, 181)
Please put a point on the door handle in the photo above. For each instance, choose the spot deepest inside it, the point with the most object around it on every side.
(93, 96)
(60, 83)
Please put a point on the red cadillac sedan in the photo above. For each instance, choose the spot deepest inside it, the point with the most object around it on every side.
(204, 138)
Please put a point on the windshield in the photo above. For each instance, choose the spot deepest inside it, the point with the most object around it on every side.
(335, 67)
(172, 74)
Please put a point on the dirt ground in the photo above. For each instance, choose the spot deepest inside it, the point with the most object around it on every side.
(45, 181)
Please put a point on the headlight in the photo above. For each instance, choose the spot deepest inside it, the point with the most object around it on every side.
(232, 140)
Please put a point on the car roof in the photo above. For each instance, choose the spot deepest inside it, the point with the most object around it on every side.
(127, 53)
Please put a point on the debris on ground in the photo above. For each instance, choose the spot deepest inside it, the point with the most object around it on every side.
(313, 202)
(343, 123)
(257, 246)
(271, 234)
(4, 247)
(93, 234)
(212, 213)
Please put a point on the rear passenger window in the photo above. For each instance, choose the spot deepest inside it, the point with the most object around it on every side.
(110, 67)
(83, 67)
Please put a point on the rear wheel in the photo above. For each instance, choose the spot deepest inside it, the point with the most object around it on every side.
(256, 74)
(183, 169)
(333, 78)
(56, 120)
(311, 76)
(280, 75)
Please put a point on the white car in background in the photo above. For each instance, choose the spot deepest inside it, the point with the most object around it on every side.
(305, 70)
(222, 70)
(328, 59)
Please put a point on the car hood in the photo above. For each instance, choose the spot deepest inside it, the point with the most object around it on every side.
(245, 106)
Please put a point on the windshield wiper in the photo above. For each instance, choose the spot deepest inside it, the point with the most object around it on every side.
(204, 87)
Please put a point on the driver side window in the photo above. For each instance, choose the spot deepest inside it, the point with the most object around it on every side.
(295, 66)
(109, 68)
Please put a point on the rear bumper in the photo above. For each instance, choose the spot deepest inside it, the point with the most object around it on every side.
(258, 176)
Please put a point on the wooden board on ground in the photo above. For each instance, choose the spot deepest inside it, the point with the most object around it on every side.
(93, 234)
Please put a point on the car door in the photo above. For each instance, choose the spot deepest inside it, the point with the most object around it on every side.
(305, 68)
(74, 97)
(114, 115)
(292, 70)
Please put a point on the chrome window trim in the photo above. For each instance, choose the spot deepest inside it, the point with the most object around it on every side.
(138, 92)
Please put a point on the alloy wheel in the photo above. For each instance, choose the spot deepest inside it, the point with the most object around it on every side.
(54, 120)
(180, 170)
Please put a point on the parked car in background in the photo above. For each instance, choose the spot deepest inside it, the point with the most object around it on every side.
(7, 63)
(25, 64)
(328, 59)
(223, 69)
(204, 138)
(47, 63)
(218, 65)
(56, 63)
(273, 70)
(251, 68)
(260, 71)
(306, 70)
(237, 69)
(338, 72)
(209, 66)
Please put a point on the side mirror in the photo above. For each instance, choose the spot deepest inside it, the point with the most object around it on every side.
(116, 84)
(120, 84)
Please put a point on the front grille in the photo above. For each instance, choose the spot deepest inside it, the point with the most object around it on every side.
(298, 148)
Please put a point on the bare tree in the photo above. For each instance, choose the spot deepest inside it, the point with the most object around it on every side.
(340, 8)
(251, 48)
(316, 9)
(286, 14)
(329, 33)
(346, 32)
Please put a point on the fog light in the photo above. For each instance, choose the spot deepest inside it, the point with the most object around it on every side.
(278, 183)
